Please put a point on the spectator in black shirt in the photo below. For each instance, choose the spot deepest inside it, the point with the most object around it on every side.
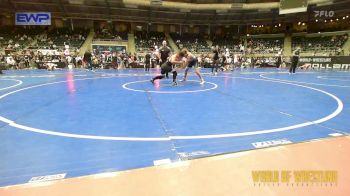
(147, 61)
(87, 59)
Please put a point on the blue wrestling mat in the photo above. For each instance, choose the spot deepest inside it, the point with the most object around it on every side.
(82, 122)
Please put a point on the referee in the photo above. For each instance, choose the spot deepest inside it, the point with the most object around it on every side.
(295, 61)
(164, 54)
(147, 61)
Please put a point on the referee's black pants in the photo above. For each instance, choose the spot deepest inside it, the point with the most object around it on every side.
(293, 67)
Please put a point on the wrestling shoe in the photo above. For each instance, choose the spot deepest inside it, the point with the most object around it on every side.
(183, 80)
(174, 84)
(202, 82)
(152, 81)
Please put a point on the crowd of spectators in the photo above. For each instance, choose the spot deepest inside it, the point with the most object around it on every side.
(60, 39)
(147, 41)
(328, 45)
(14, 38)
(114, 59)
(264, 45)
(193, 42)
(229, 42)
(29, 59)
(15, 43)
(107, 34)
(40, 47)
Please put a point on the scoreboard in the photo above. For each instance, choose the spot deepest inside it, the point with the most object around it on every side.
(292, 6)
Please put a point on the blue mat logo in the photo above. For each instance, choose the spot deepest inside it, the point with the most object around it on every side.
(33, 18)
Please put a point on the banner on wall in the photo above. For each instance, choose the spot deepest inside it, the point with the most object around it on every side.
(327, 62)
(33, 18)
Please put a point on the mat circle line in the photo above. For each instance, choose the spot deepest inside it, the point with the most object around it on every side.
(168, 92)
(299, 82)
(19, 82)
(179, 137)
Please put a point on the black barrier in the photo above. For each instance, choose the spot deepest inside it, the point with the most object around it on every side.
(327, 62)
(3, 66)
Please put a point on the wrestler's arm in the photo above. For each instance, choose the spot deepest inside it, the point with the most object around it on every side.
(174, 61)
(186, 61)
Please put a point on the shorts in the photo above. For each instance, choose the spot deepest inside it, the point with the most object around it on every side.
(193, 63)
(166, 67)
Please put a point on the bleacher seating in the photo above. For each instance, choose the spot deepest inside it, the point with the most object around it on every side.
(106, 34)
(146, 41)
(58, 38)
(193, 42)
(265, 45)
(321, 44)
(227, 41)
(17, 38)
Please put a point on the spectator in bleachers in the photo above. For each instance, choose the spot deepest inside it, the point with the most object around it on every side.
(107, 34)
(195, 43)
(147, 41)
(265, 45)
(321, 45)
